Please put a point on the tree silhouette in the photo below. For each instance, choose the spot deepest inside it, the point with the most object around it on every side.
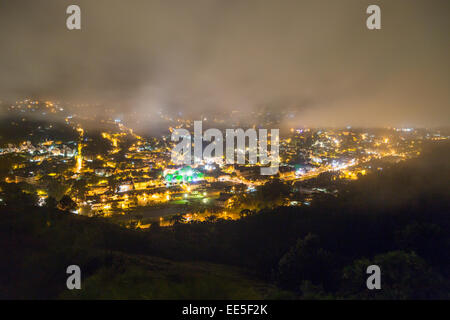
(306, 261)
(67, 204)
(177, 219)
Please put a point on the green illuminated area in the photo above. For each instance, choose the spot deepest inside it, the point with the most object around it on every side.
(183, 175)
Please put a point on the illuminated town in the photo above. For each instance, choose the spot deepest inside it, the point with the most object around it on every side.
(108, 170)
(215, 156)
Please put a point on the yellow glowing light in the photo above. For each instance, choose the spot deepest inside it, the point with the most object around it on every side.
(79, 157)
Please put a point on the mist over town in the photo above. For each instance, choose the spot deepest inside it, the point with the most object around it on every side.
(355, 121)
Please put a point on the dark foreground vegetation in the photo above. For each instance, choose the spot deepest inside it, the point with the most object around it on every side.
(397, 219)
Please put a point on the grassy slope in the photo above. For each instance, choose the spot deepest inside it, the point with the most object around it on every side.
(146, 277)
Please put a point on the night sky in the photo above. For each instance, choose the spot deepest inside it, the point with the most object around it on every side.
(314, 57)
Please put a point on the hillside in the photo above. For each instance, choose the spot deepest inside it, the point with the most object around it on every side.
(397, 219)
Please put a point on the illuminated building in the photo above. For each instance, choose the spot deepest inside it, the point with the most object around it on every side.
(183, 175)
